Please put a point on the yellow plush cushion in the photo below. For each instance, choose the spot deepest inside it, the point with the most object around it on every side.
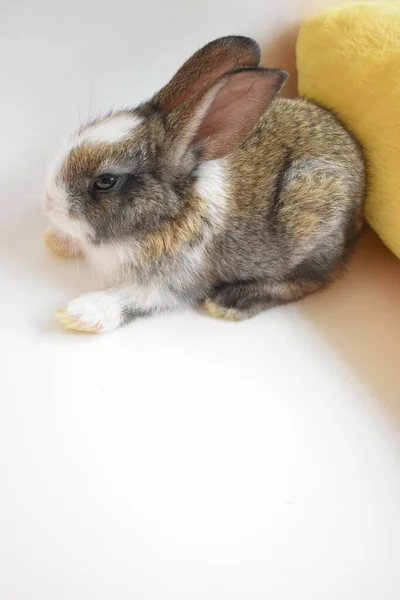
(349, 60)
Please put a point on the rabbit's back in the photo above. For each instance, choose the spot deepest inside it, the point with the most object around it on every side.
(297, 183)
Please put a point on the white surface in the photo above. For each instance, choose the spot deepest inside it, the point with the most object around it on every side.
(180, 457)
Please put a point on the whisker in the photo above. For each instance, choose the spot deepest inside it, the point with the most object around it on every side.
(79, 111)
(90, 98)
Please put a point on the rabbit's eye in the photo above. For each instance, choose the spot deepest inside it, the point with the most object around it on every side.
(104, 183)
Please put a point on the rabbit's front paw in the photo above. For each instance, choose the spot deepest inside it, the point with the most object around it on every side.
(92, 313)
(61, 244)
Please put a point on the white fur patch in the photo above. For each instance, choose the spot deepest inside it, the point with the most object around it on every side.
(75, 228)
(113, 260)
(213, 186)
(110, 130)
(152, 298)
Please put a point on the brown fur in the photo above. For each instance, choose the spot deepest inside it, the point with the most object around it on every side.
(292, 136)
(86, 159)
(174, 235)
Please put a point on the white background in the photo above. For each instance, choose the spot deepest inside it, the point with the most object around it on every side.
(180, 457)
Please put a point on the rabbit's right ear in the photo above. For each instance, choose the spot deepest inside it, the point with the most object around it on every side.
(216, 119)
(205, 66)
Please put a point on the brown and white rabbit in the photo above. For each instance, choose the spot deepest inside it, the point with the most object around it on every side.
(215, 193)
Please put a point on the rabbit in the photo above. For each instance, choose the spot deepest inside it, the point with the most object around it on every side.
(217, 193)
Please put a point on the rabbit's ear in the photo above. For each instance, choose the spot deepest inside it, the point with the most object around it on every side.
(220, 117)
(206, 65)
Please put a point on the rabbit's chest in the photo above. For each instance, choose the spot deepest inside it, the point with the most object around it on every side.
(171, 281)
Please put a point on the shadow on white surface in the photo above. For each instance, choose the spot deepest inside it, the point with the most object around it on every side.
(359, 317)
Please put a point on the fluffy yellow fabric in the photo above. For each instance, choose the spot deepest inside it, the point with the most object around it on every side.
(349, 60)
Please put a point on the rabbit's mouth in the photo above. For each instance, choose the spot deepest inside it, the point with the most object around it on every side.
(64, 221)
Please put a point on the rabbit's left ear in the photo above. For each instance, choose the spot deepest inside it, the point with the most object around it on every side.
(205, 66)
(217, 119)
